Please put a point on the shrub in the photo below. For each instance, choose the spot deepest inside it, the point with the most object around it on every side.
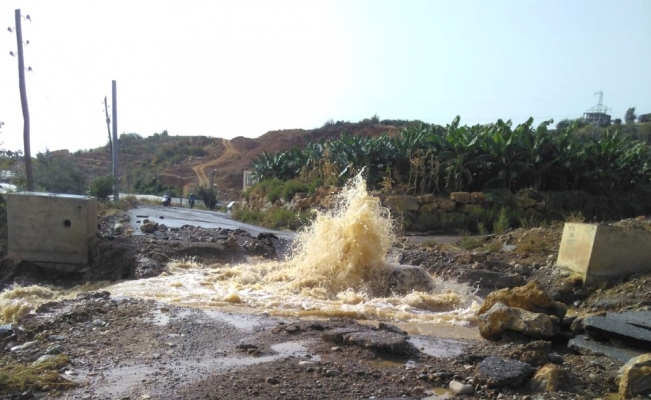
(502, 223)
(290, 188)
(209, 197)
(102, 187)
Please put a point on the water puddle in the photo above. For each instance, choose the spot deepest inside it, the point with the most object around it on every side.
(435, 347)
(439, 393)
(388, 362)
(122, 379)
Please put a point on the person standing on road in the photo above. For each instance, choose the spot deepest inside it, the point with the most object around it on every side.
(191, 200)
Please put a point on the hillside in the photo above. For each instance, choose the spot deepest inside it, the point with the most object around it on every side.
(192, 160)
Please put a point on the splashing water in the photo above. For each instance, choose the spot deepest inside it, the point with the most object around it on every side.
(338, 268)
(21, 300)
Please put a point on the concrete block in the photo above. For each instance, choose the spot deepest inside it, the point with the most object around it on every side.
(51, 229)
(599, 252)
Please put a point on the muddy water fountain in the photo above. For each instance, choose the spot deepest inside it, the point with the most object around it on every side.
(339, 267)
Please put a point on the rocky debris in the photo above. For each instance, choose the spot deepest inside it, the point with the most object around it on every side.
(460, 388)
(631, 327)
(501, 318)
(551, 378)
(148, 226)
(491, 279)
(372, 339)
(531, 297)
(536, 353)
(586, 345)
(635, 377)
(498, 372)
(6, 330)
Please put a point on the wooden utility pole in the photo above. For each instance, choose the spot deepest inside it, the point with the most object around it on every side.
(23, 102)
(116, 185)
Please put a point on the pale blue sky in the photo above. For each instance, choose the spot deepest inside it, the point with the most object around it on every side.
(242, 68)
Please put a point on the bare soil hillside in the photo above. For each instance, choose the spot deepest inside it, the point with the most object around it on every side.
(226, 159)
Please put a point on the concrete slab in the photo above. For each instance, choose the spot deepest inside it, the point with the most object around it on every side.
(632, 327)
(599, 252)
(50, 229)
(584, 345)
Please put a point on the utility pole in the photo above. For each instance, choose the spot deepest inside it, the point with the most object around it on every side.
(116, 185)
(181, 196)
(108, 127)
(23, 102)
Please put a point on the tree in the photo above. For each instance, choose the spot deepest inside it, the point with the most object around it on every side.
(57, 174)
(618, 121)
(630, 116)
(102, 187)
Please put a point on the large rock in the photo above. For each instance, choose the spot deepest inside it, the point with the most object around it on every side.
(551, 378)
(377, 340)
(460, 197)
(404, 279)
(402, 203)
(149, 227)
(530, 297)
(477, 197)
(446, 204)
(499, 372)
(635, 377)
(631, 327)
(501, 318)
(303, 204)
(428, 208)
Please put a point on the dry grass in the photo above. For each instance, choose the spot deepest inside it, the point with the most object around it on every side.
(538, 241)
(16, 377)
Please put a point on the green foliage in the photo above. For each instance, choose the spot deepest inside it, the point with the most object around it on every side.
(276, 218)
(502, 223)
(291, 187)
(630, 116)
(469, 243)
(437, 159)
(152, 186)
(57, 174)
(270, 189)
(102, 187)
(209, 197)
(311, 187)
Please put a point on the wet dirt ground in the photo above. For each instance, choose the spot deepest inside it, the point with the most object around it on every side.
(122, 348)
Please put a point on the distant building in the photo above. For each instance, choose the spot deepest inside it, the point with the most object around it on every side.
(248, 179)
(597, 118)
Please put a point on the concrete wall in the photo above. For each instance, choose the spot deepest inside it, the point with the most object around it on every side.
(600, 252)
(50, 228)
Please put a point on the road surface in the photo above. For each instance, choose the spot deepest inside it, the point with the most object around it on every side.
(175, 217)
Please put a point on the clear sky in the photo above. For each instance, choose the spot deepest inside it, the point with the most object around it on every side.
(242, 68)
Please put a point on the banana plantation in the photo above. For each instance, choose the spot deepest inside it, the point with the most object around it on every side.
(443, 159)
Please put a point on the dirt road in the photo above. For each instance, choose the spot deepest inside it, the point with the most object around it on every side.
(230, 152)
